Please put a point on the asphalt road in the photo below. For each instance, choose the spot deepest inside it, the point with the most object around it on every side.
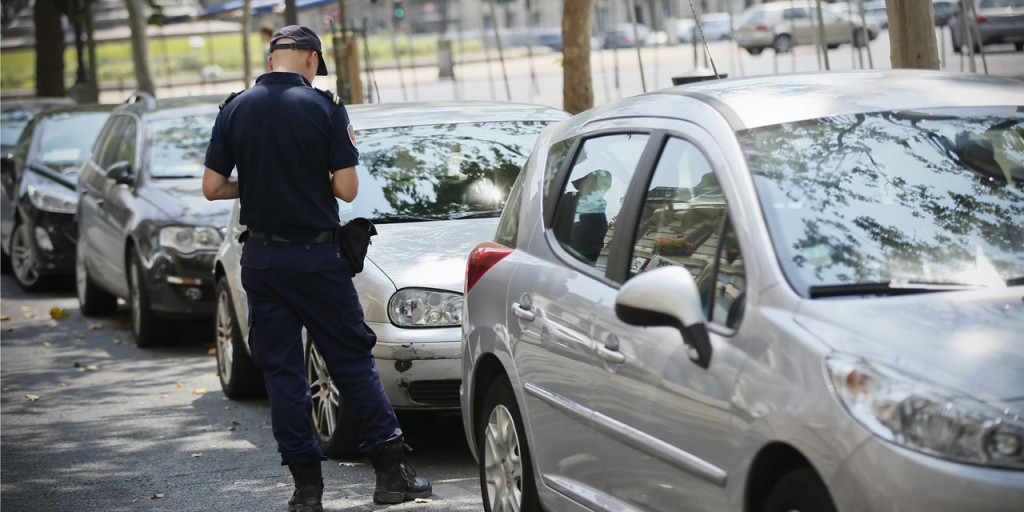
(91, 422)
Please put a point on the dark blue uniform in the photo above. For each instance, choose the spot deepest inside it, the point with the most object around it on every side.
(284, 137)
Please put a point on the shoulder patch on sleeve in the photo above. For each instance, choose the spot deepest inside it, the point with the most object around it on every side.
(229, 98)
(352, 135)
(329, 95)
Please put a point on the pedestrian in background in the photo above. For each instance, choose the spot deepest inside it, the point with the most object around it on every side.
(295, 151)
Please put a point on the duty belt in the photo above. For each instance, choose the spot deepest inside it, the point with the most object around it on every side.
(323, 237)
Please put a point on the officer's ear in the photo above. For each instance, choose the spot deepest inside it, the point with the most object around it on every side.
(312, 62)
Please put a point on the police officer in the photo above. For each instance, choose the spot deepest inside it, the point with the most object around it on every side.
(295, 151)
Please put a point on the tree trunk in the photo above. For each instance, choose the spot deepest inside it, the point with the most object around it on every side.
(49, 49)
(140, 46)
(912, 34)
(577, 88)
(291, 13)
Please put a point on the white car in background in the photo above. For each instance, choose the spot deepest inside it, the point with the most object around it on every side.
(433, 178)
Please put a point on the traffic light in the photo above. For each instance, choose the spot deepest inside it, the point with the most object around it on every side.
(399, 10)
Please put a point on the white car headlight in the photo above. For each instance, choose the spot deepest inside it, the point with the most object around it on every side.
(49, 196)
(415, 307)
(925, 417)
(189, 239)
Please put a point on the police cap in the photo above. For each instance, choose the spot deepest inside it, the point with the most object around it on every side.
(305, 39)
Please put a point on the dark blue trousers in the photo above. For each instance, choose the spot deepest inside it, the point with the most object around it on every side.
(291, 285)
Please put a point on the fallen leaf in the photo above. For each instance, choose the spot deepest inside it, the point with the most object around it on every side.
(350, 464)
(9, 330)
(32, 398)
(95, 327)
(422, 500)
(156, 496)
(58, 313)
(231, 429)
(78, 365)
(211, 352)
(197, 455)
(281, 484)
(121, 324)
(117, 341)
(63, 384)
(236, 422)
(29, 314)
(198, 391)
(178, 385)
(91, 367)
(80, 335)
(4, 318)
(46, 344)
(163, 396)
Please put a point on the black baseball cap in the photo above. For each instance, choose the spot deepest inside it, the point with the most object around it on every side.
(305, 39)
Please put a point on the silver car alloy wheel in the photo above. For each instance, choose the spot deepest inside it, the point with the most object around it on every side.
(81, 276)
(136, 299)
(326, 398)
(23, 258)
(225, 342)
(503, 463)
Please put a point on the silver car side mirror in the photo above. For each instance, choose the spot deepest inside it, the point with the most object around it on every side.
(667, 296)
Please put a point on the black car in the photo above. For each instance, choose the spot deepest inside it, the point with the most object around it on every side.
(16, 113)
(146, 233)
(37, 215)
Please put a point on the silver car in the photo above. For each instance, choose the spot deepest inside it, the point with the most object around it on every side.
(791, 292)
(433, 178)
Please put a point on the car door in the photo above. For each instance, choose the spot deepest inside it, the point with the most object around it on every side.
(663, 421)
(796, 21)
(106, 207)
(837, 30)
(551, 319)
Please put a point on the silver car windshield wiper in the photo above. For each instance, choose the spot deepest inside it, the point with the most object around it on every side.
(394, 219)
(894, 287)
(478, 215)
(1015, 281)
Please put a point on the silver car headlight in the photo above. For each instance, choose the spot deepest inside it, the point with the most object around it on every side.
(417, 307)
(49, 196)
(189, 239)
(925, 417)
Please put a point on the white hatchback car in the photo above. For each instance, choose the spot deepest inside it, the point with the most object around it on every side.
(433, 179)
(763, 294)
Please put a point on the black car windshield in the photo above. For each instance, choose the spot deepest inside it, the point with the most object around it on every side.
(434, 172)
(178, 146)
(68, 137)
(894, 197)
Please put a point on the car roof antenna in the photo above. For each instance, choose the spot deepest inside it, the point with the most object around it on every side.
(700, 31)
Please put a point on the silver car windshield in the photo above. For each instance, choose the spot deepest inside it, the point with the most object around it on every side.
(178, 146)
(68, 138)
(435, 172)
(894, 197)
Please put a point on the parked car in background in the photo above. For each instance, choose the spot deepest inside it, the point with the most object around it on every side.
(999, 22)
(145, 232)
(16, 113)
(433, 179)
(943, 11)
(781, 25)
(623, 36)
(37, 214)
(692, 298)
(876, 11)
(716, 27)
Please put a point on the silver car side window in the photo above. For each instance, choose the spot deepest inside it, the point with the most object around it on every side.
(594, 193)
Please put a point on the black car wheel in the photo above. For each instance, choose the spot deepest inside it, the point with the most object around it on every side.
(239, 377)
(800, 490)
(91, 299)
(147, 327)
(23, 260)
(753, 50)
(506, 471)
(1018, 46)
(335, 429)
(783, 43)
(860, 39)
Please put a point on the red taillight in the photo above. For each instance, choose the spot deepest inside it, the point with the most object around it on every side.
(762, 28)
(481, 259)
(981, 19)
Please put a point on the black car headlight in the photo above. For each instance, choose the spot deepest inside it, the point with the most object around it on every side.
(925, 417)
(49, 196)
(418, 307)
(189, 239)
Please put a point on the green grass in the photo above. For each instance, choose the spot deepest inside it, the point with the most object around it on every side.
(174, 57)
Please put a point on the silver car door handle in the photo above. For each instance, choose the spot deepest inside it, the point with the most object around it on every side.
(612, 356)
(522, 313)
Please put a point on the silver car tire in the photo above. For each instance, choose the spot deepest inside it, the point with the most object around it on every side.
(506, 470)
(799, 490)
(23, 260)
(147, 328)
(336, 431)
(239, 377)
(92, 300)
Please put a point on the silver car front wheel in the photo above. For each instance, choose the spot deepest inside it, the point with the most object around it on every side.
(335, 429)
(23, 259)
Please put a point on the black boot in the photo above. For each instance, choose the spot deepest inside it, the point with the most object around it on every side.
(396, 481)
(309, 488)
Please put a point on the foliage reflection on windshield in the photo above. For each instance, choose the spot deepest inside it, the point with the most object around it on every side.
(440, 171)
(178, 146)
(68, 138)
(924, 197)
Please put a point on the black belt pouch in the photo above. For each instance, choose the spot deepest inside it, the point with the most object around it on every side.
(354, 240)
